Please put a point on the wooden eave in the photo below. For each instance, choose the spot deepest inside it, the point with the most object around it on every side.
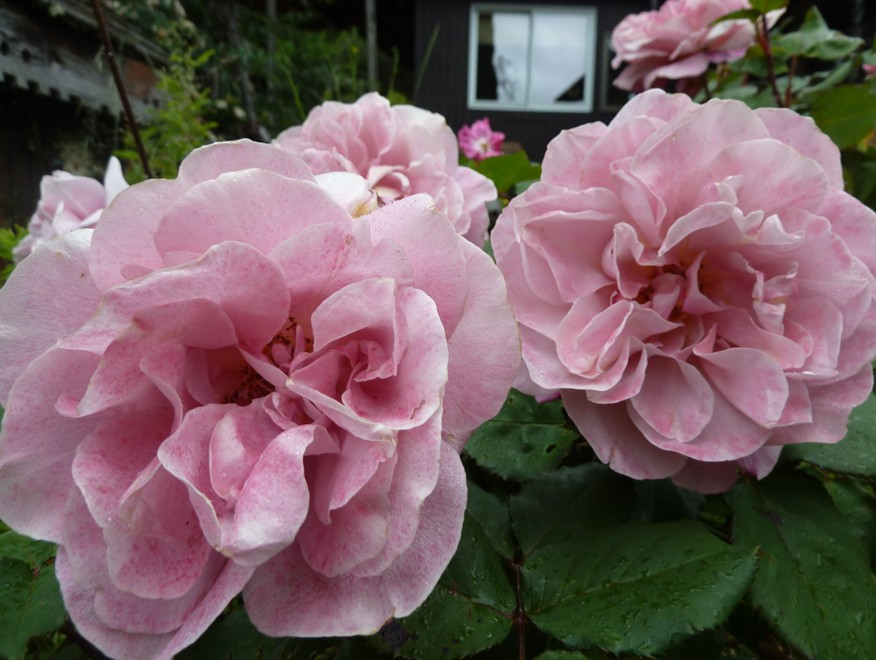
(60, 55)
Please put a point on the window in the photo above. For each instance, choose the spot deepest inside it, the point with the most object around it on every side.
(539, 58)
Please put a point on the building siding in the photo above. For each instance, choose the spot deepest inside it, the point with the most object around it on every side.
(445, 73)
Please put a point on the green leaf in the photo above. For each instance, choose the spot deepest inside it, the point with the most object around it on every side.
(637, 588)
(26, 549)
(505, 171)
(846, 113)
(815, 39)
(860, 169)
(814, 584)
(856, 454)
(763, 6)
(524, 440)
(568, 502)
(561, 655)
(521, 186)
(857, 501)
(707, 644)
(470, 609)
(660, 500)
(30, 604)
(827, 80)
(233, 637)
(492, 515)
(9, 238)
(748, 14)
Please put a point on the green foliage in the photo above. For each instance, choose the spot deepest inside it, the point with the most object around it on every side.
(560, 558)
(860, 174)
(817, 71)
(471, 609)
(814, 583)
(234, 637)
(635, 588)
(508, 170)
(846, 113)
(538, 431)
(785, 68)
(587, 575)
(180, 125)
(749, 14)
(163, 20)
(577, 561)
(856, 454)
(30, 600)
(816, 40)
(763, 6)
(9, 238)
(296, 61)
(492, 514)
(558, 507)
(306, 67)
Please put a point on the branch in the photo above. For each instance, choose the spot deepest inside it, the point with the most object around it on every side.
(123, 94)
(764, 40)
(519, 613)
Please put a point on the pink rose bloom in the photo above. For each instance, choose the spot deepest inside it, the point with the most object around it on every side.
(678, 41)
(479, 141)
(696, 285)
(242, 380)
(69, 202)
(401, 150)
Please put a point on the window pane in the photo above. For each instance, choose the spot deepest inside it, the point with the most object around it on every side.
(559, 57)
(533, 57)
(503, 48)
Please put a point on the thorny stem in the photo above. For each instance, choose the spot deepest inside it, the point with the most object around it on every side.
(519, 613)
(123, 94)
(763, 38)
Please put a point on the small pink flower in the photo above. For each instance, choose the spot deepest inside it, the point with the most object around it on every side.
(696, 285)
(479, 141)
(401, 150)
(678, 41)
(247, 378)
(69, 202)
(869, 69)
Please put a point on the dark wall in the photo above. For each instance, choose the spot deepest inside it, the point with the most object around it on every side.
(445, 73)
(33, 130)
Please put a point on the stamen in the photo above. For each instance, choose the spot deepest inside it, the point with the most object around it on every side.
(252, 386)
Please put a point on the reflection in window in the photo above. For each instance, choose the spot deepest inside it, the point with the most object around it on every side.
(538, 59)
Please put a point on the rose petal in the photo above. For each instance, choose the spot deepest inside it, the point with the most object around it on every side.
(38, 444)
(26, 329)
(287, 598)
(616, 441)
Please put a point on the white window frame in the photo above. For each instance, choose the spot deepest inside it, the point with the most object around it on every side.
(583, 106)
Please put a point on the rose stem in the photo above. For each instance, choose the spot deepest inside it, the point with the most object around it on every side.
(123, 94)
(764, 39)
